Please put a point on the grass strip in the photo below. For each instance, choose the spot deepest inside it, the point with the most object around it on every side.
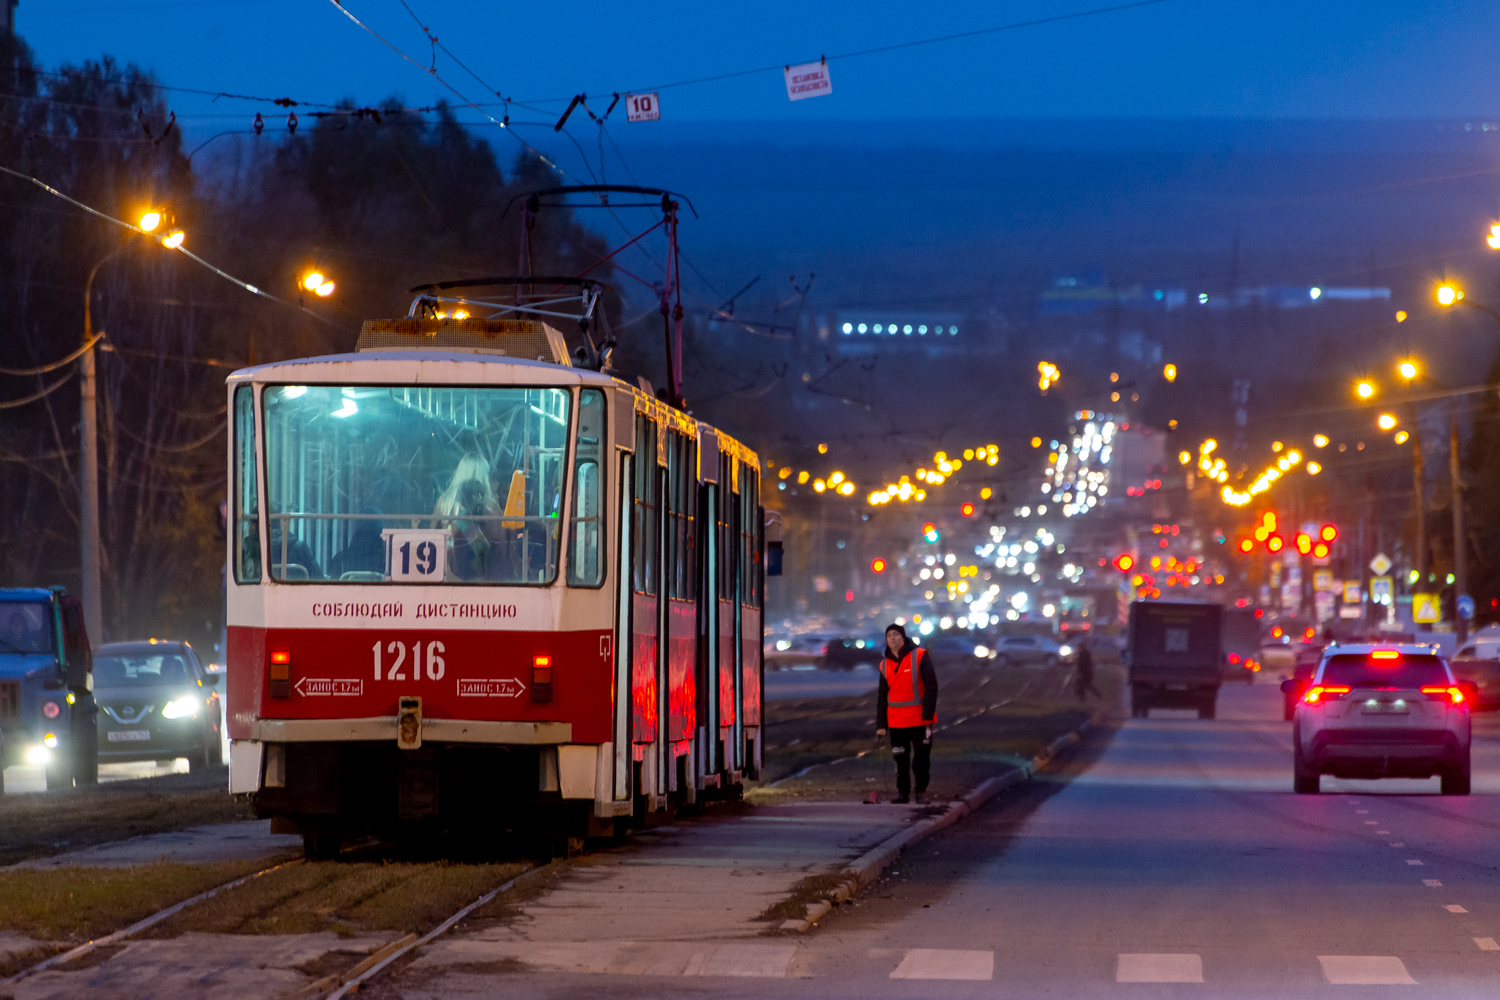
(78, 904)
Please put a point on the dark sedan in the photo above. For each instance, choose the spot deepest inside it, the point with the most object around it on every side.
(156, 702)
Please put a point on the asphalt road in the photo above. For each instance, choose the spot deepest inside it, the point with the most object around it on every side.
(1166, 858)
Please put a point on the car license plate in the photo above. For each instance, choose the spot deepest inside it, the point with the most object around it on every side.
(1386, 708)
(1177, 687)
(129, 735)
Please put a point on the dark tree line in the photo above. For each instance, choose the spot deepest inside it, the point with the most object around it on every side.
(379, 203)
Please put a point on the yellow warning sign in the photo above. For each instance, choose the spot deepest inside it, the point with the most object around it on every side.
(1425, 609)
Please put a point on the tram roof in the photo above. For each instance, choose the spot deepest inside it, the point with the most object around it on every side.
(421, 367)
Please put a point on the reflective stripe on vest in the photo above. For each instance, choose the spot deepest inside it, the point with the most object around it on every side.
(912, 665)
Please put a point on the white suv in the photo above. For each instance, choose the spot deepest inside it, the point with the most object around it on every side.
(1382, 712)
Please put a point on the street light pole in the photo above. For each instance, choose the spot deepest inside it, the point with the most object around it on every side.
(88, 479)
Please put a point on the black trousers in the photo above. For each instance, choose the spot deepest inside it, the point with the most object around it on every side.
(912, 749)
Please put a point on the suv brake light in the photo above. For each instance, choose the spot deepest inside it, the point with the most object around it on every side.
(1317, 692)
(1452, 695)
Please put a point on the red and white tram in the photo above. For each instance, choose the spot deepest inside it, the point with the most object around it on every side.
(474, 592)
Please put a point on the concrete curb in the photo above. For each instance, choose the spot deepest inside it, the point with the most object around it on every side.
(868, 866)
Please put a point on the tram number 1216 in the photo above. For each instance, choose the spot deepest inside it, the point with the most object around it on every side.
(415, 554)
(436, 665)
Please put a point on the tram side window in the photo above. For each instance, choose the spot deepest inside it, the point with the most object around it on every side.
(246, 529)
(585, 562)
(681, 480)
(643, 507)
(749, 535)
(472, 478)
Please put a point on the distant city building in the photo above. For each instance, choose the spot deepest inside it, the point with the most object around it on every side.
(1088, 293)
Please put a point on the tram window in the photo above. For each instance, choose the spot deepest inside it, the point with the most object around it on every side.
(749, 536)
(482, 467)
(246, 486)
(681, 497)
(585, 562)
(644, 506)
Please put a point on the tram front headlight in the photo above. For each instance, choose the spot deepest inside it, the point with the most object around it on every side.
(39, 755)
(179, 708)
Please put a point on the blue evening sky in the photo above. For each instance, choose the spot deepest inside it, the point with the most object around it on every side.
(1182, 58)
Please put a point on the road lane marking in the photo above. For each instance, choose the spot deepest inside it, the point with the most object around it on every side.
(1372, 822)
(1364, 811)
(1412, 861)
(942, 963)
(1487, 944)
(1431, 883)
(1397, 843)
(1382, 833)
(1454, 908)
(1149, 968)
(1365, 970)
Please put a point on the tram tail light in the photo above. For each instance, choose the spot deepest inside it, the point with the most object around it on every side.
(281, 674)
(1319, 692)
(541, 678)
(1452, 695)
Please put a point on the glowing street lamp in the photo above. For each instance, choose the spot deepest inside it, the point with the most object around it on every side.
(1408, 369)
(174, 239)
(150, 220)
(1364, 389)
(315, 282)
(1386, 421)
(1449, 294)
(1493, 239)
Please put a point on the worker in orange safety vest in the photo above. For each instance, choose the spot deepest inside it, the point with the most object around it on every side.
(907, 705)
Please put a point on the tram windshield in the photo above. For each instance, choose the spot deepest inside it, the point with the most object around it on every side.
(373, 484)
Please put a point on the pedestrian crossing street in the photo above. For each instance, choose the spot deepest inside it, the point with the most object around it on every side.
(792, 960)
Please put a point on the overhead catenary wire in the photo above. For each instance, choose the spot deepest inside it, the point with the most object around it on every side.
(893, 47)
(42, 370)
(432, 71)
(11, 404)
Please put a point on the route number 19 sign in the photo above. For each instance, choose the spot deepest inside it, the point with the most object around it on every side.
(415, 555)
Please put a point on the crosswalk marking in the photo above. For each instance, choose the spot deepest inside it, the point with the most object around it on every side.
(941, 963)
(1487, 944)
(1365, 970)
(1454, 908)
(1431, 883)
(1149, 968)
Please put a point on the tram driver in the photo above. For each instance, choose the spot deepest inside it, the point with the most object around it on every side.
(465, 508)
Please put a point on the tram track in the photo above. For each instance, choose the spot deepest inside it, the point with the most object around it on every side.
(145, 923)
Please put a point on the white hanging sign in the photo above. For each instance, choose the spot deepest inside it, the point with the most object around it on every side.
(642, 108)
(415, 555)
(808, 80)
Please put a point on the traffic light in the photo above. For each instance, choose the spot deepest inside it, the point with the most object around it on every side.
(1275, 543)
(877, 565)
(1328, 533)
(1247, 545)
(967, 510)
(1304, 543)
(930, 532)
(1124, 561)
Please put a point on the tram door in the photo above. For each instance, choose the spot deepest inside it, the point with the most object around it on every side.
(725, 676)
(679, 584)
(748, 731)
(645, 530)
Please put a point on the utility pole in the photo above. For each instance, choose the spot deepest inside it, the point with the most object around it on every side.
(1460, 556)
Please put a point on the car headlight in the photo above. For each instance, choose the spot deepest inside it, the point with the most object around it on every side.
(1064, 650)
(184, 706)
(981, 651)
(38, 755)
